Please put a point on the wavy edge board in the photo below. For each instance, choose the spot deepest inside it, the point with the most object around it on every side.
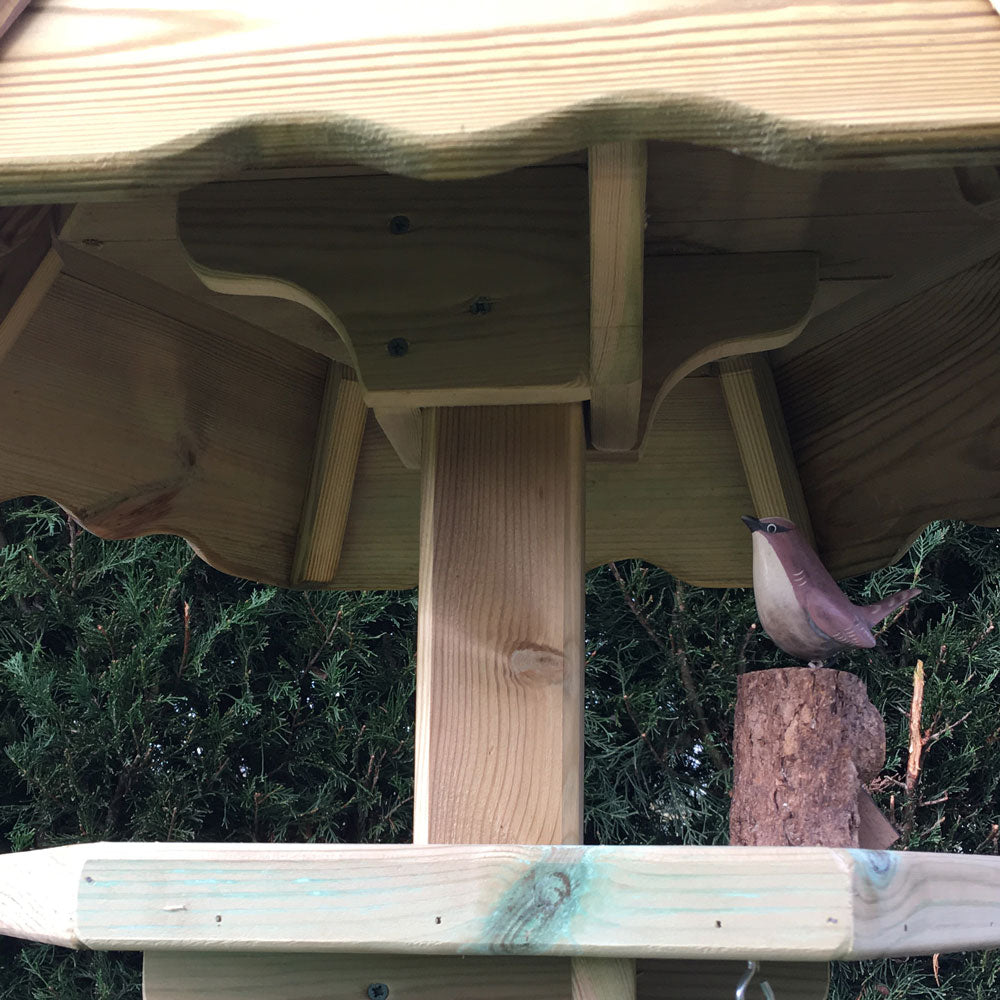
(804, 904)
(101, 99)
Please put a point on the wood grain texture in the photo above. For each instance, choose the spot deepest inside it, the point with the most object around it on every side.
(762, 438)
(603, 979)
(27, 302)
(660, 979)
(616, 902)
(141, 236)
(338, 440)
(487, 89)
(192, 975)
(472, 292)
(892, 421)
(140, 422)
(499, 754)
(703, 307)
(617, 174)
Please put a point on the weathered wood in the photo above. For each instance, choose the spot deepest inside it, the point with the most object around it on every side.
(472, 292)
(603, 979)
(922, 380)
(701, 308)
(805, 741)
(499, 754)
(801, 904)
(485, 90)
(762, 437)
(617, 173)
(335, 461)
(192, 975)
(142, 237)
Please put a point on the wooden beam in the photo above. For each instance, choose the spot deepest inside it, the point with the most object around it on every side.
(193, 975)
(703, 307)
(28, 301)
(469, 293)
(617, 173)
(500, 630)
(403, 428)
(762, 438)
(9, 11)
(612, 902)
(603, 979)
(899, 82)
(335, 461)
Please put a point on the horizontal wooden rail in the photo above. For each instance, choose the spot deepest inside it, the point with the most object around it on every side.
(803, 904)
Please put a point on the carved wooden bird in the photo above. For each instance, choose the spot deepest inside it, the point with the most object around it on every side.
(800, 606)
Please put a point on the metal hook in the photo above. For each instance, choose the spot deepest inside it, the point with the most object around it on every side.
(741, 986)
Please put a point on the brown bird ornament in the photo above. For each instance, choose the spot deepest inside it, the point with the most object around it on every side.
(800, 605)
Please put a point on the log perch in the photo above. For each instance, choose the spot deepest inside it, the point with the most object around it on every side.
(805, 743)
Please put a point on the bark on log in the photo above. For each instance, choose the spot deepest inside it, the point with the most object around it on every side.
(804, 744)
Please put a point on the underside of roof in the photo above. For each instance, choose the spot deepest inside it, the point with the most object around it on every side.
(244, 251)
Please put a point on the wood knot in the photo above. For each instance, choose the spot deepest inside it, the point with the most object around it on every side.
(538, 664)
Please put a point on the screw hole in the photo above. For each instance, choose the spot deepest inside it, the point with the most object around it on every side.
(398, 225)
(397, 347)
(218, 918)
(480, 306)
(92, 243)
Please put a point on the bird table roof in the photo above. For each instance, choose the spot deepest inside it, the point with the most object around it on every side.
(245, 247)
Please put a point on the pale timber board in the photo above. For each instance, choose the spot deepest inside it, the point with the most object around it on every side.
(499, 731)
(472, 292)
(803, 904)
(192, 975)
(9, 11)
(101, 97)
(141, 236)
(891, 420)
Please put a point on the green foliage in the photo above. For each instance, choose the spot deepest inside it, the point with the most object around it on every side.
(145, 696)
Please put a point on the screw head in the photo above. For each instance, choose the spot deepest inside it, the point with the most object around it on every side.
(398, 225)
(480, 306)
(92, 243)
(377, 991)
(397, 347)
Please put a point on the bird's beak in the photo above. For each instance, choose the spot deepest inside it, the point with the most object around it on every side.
(751, 522)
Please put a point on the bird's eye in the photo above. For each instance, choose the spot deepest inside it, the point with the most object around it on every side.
(772, 528)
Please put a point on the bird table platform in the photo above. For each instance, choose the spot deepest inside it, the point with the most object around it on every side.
(480, 296)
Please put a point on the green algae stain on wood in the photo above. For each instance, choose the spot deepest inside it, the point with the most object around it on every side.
(535, 914)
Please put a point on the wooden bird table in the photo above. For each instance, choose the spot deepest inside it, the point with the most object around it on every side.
(483, 296)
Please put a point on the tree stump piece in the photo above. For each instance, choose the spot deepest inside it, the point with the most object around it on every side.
(805, 742)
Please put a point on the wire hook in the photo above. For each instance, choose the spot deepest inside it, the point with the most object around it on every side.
(741, 986)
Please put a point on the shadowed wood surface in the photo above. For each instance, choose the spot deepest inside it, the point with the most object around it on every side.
(255, 976)
(499, 755)
(101, 98)
(803, 904)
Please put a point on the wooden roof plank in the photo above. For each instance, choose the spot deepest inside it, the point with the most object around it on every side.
(181, 96)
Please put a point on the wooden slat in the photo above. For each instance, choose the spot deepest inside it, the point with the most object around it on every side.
(762, 437)
(466, 293)
(891, 420)
(617, 173)
(440, 94)
(335, 461)
(703, 307)
(192, 975)
(603, 979)
(142, 237)
(802, 904)
(140, 421)
(27, 302)
(500, 633)
(9, 12)
(256, 976)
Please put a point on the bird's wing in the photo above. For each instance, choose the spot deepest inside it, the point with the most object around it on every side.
(838, 620)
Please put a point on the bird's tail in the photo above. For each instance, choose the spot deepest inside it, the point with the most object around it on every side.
(876, 612)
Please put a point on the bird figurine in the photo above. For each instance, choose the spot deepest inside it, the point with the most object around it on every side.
(800, 605)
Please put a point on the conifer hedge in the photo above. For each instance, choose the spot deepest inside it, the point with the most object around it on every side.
(145, 696)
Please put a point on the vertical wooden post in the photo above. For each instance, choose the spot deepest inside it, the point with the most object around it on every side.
(500, 633)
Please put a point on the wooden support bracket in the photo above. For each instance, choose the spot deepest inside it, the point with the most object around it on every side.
(335, 461)
(617, 174)
(762, 437)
